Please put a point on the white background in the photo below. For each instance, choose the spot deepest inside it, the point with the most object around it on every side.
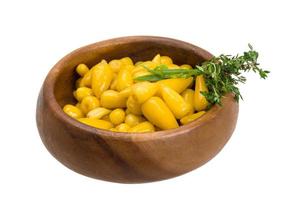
(261, 161)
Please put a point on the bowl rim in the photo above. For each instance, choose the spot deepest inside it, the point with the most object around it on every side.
(48, 88)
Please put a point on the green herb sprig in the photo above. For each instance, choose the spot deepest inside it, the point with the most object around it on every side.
(222, 74)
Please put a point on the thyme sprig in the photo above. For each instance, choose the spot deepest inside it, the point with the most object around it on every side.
(222, 74)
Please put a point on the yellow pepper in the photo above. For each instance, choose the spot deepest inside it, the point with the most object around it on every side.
(140, 73)
(185, 66)
(113, 85)
(143, 90)
(177, 84)
(142, 127)
(88, 103)
(82, 69)
(98, 113)
(175, 102)
(138, 69)
(113, 129)
(158, 113)
(188, 96)
(111, 99)
(130, 68)
(200, 102)
(126, 92)
(82, 92)
(124, 79)
(86, 79)
(117, 116)
(102, 76)
(115, 65)
(166, 60)
(123, 127)
(98, 123)
(189, 118)
(72, 111)
(173, 66)
(126, 61)
(149, 64)
(132, 120)
(133, 106)
(156, 59)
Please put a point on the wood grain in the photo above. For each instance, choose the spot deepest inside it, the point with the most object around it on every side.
(129, 158)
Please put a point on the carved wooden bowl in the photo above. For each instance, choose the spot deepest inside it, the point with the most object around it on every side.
(129, 157)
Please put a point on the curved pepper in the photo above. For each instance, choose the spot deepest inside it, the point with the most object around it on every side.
(175, 102)
(143, 90)
(102, 76)
(133, 106)
(158, 113)
(188, 96)
(72, 111)
(200, 102)
(98, 123)
(132, 120)
(190, 118)
(98, 113)
(142, 127)
(112, 99)
(124, 79)
(89, 103)
(177, 84)
(123, 127)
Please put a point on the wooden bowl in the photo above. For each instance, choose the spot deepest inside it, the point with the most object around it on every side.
(124, 157)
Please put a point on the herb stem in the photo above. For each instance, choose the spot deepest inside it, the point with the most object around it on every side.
(222, 74)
